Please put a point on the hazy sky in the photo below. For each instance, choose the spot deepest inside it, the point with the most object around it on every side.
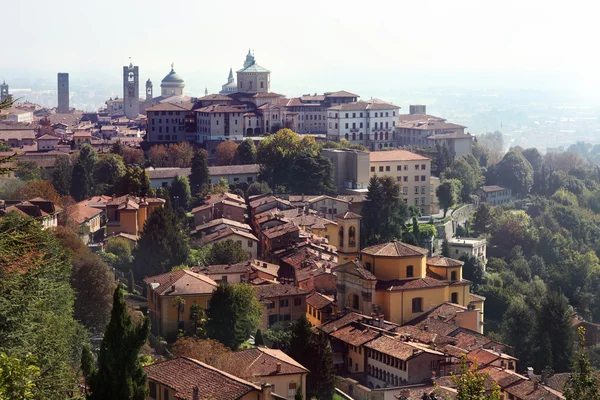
(309, 45)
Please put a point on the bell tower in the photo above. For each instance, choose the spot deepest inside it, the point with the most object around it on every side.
(4, 91)
(149, 90)
(349, 236)
(131, 91)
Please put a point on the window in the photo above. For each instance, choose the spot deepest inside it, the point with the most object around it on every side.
(453, 275)
(422, 189)
(454, 297)
(297, 301)
(409, 271)
(284, 303)
(165, 394)
(387, 168)
(416, 178)
(353, 115)
(405, 178)
(417, 305)
(346, 125)
(406, 167)
(160, 137)
(224, 279)
(380, 169)
(346, 115)
(152, 386)
(417, 167)
(271, 305)
(291, 389)
(405, 190)
(399, 179)
(422, 201)
(423, 167)
(423, 178)
(250, 243)
(361, 125)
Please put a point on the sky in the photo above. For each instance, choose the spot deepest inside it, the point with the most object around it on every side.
(310, 46)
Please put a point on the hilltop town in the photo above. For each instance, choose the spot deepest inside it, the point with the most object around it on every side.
(248, 245)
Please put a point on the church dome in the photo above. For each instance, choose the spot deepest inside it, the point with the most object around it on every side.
(172, 80)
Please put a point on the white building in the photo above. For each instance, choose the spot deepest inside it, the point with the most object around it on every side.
(219, 122)
(472, 246)
(368, 123)
(494, 195)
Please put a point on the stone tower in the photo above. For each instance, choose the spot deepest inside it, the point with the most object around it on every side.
(253, 78)
(4, 91)
(149, 90)
(349, 236)
(131, 91)
(63, 93)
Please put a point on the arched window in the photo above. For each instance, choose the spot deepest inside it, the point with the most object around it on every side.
(352, 236)
(353, 135)
(386, 136)
(341, 234)
(249, 131)
(360, 136)
(346, 136)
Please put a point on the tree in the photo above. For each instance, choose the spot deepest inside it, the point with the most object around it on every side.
(120, 374)
(36, 305)
(132, 156)
(583, 382)
(320, 382)
(162, 245)
(518, 329)
(36, 188)
(442, 159)
(180, 155)
(226, 152)
(82, 180)
(226, 252)
(473, 268)
(135, 181)
(481, 153)
(17, 377)
(61, 175)
(199, 176)
(157, 155)
(234, 314)
(449, 194)
(483, 218)
(108, 173)
(28, 171)
(209, 351)
(279, 335)
(247, 152)
(181, 195)
(555, 321)
(121, 249)
(465, 169)
(384, 212)
(311, 175)
(470, 384)
(198, 318)
(515, 172)
(300, 342)
(258, 339)
(257, 188)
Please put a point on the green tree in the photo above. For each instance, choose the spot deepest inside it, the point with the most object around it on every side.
(384, 212)
(17, 377)
(247, 152)
(198, 318)
(473, 268)
(199, 176)
(449, 194)
(515, 172)
(82, 180)
(135, 181)
(257, 188)
(28, 171)
(61, 175)
(300, 342)
(465, 169)
(226, 252)
(233, 315)
(311, 175)
(583, 381)
(470, 384)
(108, 173)
(442, 159)
(518, 330)
(162, 245)
(555, 321)
(119, 374)
(181, 195)
(483, 218)
(121, 249)
(320, 382)
(258, 339)
(279, 335)
(480, 153)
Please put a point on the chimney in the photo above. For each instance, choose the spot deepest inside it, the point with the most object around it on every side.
(266, 389)
(426, 327)
(545, 377)
(530, 372)
(195, 393)
(536, 385)
(278, 367)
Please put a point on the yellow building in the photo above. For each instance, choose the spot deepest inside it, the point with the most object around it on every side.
(128, 214)
(397, 281)
(348, 236)
(168, 314)
(319, 308)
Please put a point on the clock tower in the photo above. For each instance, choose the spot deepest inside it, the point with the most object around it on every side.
(131, 91)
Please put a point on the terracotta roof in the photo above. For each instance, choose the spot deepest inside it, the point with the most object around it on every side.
(476, 297)
(226, 232)
(318, 300)
(215, 97)
(208, 270)
(348, 215)
(503, 377)
(355, 268)
(169, 107)
(127, 236)
(262, 362)
(134, 199)
(423, 336)
(355, 334)
(451, 135)
(363, 105)
(48, 136)
(407, 284)
(269, 199)
(19, 134)
(429, 125)
(418, 117)
(395, 249)
(528, 390)
(184, 374)
(445, 312)
(339, 323)
(270, 291)
(395, 156)
(340, 93)
(492, 188)
(181, 282)
(81, 212)
(470, 340)
(280, 230)
(264, 267)
(234, 169)
(393, 347)
(219, 108)
(440, 261)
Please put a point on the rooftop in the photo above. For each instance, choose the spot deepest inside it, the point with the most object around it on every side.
(181, 282)
(318, 301)
(363, 106)
(395, 249)
(440, 261)
(492, 188)
(269, 291)
(395, 156)
(261, 361)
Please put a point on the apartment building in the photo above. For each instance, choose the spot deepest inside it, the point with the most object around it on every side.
(368, 123)
(350, 168)
(282, 303)
(169, 122)
(468, 246)
(494, 195)
(411, 171)
(219, 122)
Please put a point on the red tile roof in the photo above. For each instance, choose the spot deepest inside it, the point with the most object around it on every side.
(355, 268)
(340, 93)
(363, 105)
(339, 323)
(407, 284)
(227, 232)
(281, 230)
(393, 347)
(318, 300)
(492, 188)
(181, 282)
(262, 362)
(355, 334)
(529, 390)
(184, 374)
(81, 212)
(270, 291)
(348, 215)
(395, 249)
(395, 156)
(439, 261)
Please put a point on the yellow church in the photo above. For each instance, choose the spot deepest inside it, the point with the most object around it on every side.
(399, 282)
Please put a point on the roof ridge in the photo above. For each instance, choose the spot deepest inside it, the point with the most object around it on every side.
(219, 371)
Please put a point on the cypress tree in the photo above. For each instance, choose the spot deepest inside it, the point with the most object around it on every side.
(199, 176)
(321, 379)
(258, 338)
(120, 374)
(300, 343)
(82, 182)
